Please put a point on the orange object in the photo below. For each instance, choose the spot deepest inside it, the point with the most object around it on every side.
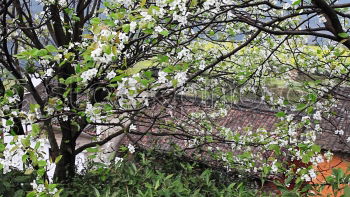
(325, 169)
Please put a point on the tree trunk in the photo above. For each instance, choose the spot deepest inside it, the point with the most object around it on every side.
(65, 168)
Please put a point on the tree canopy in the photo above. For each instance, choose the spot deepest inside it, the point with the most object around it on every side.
(109, 68)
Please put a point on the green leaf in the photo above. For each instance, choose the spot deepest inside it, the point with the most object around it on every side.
(52, 186)
(288, 180)
(297, 2)
(19, 193)
(289, 194)
(95, 21)
(72, 79)
(316, 148)
(276, 148)
(40, 53)
(107, 107)
(25, 157)
(75, 18)
(301, 106)
(347, 191)
(92, 150)
(164, 33)
(25, 142)
(194, 3)
(37, 145)
(2, 147)
(126, 28)
(51, 48)
(42, 163)
(58, 158)
(168, 70)
(35, 129)
(312, 97)
(9, 93)
(211, 32)
(148, 74)
(143, 3)
(306, 159)
(163, 58)
(28, 171)
(338, 173)
(31, 194)
(97, 193)
(310, 110)
(9, 122)
(32, 107)
(58, 193)
(343, 35)
(41, 171)
(169, 176)
(157, 185)
(281, 114)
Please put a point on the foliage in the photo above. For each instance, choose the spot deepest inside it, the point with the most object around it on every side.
(157, 174)
(114, 68)
(338, 181)
(15, 184)
(151, 176)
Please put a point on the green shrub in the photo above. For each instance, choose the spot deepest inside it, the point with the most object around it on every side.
(15, 184)
(150, 176)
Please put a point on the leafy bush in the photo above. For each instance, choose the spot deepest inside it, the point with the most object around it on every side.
(154, 174)
(150, 176)
(15, 184)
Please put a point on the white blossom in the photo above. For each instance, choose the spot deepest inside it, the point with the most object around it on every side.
(132, 127)
(105, 33)
(181, 78)
(96, 53)
(62, 3)
(319, 159)
(89, 74)
(133, 26)
(94, 113)
(125, 3)
(49, 72)
(146, 17)
(111, 75)
(158, 29)
(348, 140)
(123, 37)
(131, 148)
(328, 155)
(38, 187)
(306, 177)
(162, 77)
(202, 65)
(317, 115)
(13, 99)
(339, 132)
(118, 160)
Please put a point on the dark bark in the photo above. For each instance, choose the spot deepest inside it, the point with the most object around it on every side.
(333, 23)
(65, 168)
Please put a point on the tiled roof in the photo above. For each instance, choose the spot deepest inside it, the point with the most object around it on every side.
(240, 118)
(340, 121)
(255, 116)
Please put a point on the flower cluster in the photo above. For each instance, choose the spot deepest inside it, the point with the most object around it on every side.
(131, 148)
(94, 113)
(89, 74)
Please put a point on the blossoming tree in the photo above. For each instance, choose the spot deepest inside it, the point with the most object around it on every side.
(106, 63)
